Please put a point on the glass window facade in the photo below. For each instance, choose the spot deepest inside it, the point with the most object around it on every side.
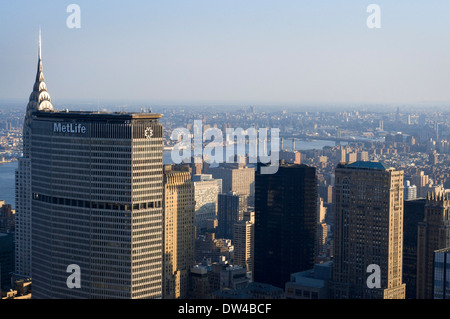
(97, 203)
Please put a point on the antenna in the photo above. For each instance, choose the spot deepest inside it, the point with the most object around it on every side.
(40, 42)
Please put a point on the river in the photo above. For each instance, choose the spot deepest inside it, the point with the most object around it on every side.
(7, 170)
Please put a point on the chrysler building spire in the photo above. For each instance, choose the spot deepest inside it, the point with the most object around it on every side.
(39, 99)
(40, 44)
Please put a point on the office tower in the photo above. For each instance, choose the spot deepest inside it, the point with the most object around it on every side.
(421, 181)
(236, 177)
(6, 260)
(368, 230)
(352, 157)
(244, 241)
(6, 217)
(343, 155)
(330, 194)
(433, 235)
(322, 234)
(179, 230)
(97, 203)
(93, 182)
(207, 191)
(322, 229)
(39, 101)
(414, 211)
(410, 191)
(230, 210)
(441, 280)
(321, 210)
(285, 222)
(363, 156)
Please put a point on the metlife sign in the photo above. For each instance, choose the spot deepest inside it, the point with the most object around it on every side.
(74, 128)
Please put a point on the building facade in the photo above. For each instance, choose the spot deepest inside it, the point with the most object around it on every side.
(207, 191)
(97, 192)
(236, 177)
(179, 230)
(414, 211)
(285, 223)
(39, 101)
(244, 242)
(433, 234)
(230, 210)
(368, 231)
(441, 280)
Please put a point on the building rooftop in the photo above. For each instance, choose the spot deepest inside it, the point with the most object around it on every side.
(93, 115)
(443, 250)
(367, 165)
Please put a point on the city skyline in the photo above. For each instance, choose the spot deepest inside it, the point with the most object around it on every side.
(264, 53)
(98, 190)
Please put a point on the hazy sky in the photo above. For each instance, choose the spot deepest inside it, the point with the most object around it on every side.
(229, 51)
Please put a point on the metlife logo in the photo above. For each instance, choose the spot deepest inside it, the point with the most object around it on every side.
(69, 128)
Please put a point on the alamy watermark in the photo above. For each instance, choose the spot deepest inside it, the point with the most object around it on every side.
(74, 280)
(238, 143)
(374, 20)
(374, 279)
(74, 19)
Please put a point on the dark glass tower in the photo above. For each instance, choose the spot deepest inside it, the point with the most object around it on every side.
(414, 211)
(285, 222)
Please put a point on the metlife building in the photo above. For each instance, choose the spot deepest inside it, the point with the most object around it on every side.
(96, 188)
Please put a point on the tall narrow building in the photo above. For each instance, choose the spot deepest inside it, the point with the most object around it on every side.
(285, 223)
(207, 192)
(95, 190)
(236, 177)
(179, 230)
(231, 207)
(433, 234)
(414, 211)
(368, 231)
(39, 101)
(441, 278)
(244, 241)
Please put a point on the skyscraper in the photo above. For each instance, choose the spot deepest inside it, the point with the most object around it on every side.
(244, 241)
(368, 231)
(285, 223)
(441, 278)
(207, 191)
(236, 177)
(179, 230)
(93, 182)
(410, 191)
(39, 101)
(433, 234)
(414, 211)
(230, 210)
(97, 203)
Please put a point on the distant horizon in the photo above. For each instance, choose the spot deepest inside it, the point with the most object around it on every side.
(261, 53)
(136, 105)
